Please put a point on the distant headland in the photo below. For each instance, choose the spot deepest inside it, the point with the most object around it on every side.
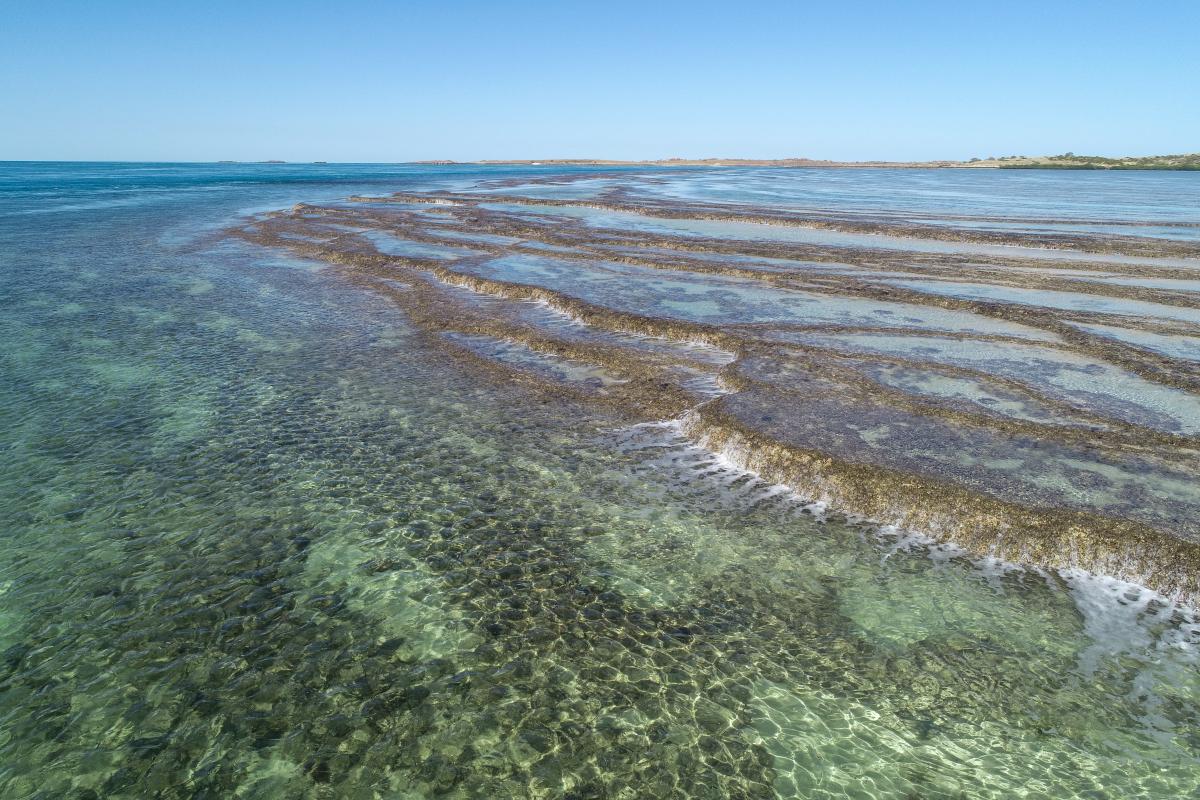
(1186, 161)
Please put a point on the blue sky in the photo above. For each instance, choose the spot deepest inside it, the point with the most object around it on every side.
(375, 81)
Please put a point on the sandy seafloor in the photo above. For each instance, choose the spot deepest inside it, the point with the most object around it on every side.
(592, 483)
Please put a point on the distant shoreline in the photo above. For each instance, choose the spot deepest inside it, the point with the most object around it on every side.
(1186, 162)
(704, 162)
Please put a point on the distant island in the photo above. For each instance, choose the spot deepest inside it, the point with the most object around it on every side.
(1186, 161)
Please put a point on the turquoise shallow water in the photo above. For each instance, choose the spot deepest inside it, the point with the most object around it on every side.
(1144, 197)
(262, 539)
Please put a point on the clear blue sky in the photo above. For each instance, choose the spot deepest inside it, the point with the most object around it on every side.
(398, 81)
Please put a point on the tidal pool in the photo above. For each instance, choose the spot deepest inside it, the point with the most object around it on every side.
(1086, 382)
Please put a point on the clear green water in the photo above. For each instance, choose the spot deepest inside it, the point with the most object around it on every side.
(260, 539)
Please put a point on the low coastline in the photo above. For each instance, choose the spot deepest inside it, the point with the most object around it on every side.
(1184, 163)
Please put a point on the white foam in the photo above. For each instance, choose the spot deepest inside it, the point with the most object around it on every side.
(1122, 618)
(1119, 616)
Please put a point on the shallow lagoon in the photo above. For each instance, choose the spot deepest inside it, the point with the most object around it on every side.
(719, 299)
(614, 220)
(263, 539)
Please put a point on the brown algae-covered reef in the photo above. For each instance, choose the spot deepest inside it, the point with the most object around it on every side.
(1024, 388)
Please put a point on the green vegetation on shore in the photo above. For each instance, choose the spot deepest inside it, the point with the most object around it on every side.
(1184, 161)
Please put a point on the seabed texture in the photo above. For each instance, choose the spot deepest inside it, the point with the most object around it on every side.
(1037, 406)
(595, 484)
